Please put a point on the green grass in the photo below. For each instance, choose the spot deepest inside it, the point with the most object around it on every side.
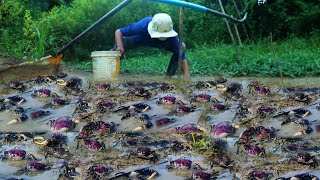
(297, 57)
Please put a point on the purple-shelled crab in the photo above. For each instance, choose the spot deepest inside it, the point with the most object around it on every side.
(140, 92)
(219, 107)
(257, 88)
(167, 100)
(201, 175)
(256, 133)
(91, 145)
(264, 111)
(187, 129)
(203, 98)
(164, 121)
(99, 171)
(56, 102)
(16, 154)
(252, 150)
(222, 129)
(94, 128)
(183, 163)
(105, 105)
(259, 175)
(43, 93)
(39, 114)
(62, 124)
(102, 86)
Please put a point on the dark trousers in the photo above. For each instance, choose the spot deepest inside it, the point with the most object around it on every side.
(128, 43)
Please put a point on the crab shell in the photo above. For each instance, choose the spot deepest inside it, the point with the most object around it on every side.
(16, 154)
(62, 124)
(199, 174)
(260, 175)
(164, 121)
(167, 100)
(222, 130)
(93, 145)
(187, 128)
(35, 166)
(181, 163)
(253, 150)
(100, 170)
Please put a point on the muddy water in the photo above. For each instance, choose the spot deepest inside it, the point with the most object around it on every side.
(114, 155)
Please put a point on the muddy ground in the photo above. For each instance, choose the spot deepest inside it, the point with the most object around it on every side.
(223, 159)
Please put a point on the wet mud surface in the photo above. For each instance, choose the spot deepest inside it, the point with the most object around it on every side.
(214, 128)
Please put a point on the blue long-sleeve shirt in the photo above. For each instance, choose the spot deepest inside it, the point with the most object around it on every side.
(140, 34)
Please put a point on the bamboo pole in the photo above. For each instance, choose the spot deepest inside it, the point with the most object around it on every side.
(227, 22)
(180, 41)
(242, 24)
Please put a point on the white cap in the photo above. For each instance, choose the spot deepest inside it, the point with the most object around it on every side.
(161, 26)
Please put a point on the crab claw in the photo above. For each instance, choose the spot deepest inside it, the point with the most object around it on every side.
(221, 88)
(41, 141)
(146, 109)
(154, 174)
(61, 82)
(13, 121)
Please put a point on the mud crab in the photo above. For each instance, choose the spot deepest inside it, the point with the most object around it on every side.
(105, 105)
(232, 88)
(140, 92)
(256, 133)
(137, 107)
(62, 124)
(201, 175)
(140, 117)
(14, 137)
(16, 154)
(99, 171)
(304, 124)
(264, 111)
(189, 128)
(303, 176)
(300, 112)
(253, 150)
(16, 85)
(202, 98)
(73, 82)
(144, 152)
(219, 107)
(164, 121)
(222, 129)
(183, 163)
(102, 86)
(14, 100)
(56, 140)
(17, 111)
(91, 145)
(166, 87)
(300, 97)
(39, 114)
(43, 93)
(256, 87)
(31, 166)
(57, 152)
(182, 109)
(259, 175)
(167, 100)
(92, 128)
(56, 102)
(305, 158)
(205, 84)
(143, 173)
(220, 159)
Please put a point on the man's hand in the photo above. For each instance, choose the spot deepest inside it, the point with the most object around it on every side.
(118, 39)
(122, 51)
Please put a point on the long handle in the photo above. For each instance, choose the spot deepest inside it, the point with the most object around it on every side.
(103, 18)
(199, 8)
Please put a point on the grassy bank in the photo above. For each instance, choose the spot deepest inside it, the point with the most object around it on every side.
(297, 58)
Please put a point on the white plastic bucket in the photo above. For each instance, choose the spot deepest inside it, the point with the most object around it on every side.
(105, 64)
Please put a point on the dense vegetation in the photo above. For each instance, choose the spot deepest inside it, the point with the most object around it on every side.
(32, 29)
